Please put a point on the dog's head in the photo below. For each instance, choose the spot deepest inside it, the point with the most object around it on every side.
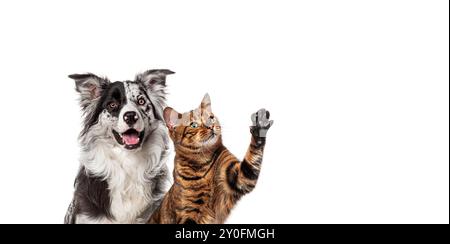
(125, 112)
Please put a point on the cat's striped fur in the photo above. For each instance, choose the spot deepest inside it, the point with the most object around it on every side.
(208, 179)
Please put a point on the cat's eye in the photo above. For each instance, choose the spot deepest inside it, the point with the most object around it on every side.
(141, 101)
(194, 125)
(212, 119)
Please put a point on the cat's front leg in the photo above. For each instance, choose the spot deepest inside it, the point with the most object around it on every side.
(241, 177)
(261, 124)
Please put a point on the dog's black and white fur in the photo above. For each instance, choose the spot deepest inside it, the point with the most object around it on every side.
(124, 147)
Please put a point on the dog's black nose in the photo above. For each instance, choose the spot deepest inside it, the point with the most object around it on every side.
(130, 118)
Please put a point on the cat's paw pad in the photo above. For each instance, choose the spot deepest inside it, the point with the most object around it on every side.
(261, 123)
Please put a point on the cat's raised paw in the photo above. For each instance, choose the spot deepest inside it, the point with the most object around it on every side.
(261, 123)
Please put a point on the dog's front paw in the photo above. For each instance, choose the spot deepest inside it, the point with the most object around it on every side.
(261, 123)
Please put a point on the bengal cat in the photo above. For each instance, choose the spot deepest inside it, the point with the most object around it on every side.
(208, 179)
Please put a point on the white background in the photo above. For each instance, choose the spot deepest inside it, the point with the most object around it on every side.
(359, 91)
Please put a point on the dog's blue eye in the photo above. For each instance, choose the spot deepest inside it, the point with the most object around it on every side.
(141, 101)
(194, 125)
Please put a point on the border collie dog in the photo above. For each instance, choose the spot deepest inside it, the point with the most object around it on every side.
(124, 146)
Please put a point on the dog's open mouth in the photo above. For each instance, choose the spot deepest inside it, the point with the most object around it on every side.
(131, 138)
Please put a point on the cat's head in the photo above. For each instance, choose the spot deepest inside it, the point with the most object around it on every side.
(197, 129)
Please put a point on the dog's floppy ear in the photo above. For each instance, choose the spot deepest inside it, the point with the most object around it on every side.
(154, 81)
(154, 77)
(89, 86)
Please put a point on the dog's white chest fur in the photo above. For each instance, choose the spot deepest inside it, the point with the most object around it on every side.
(128, 174)
(129, 191)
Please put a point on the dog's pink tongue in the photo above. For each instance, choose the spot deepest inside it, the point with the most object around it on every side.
(131, 139)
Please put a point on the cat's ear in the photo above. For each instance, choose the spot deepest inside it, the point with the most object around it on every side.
(89, 86)
(171, 117)
(206, 103)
